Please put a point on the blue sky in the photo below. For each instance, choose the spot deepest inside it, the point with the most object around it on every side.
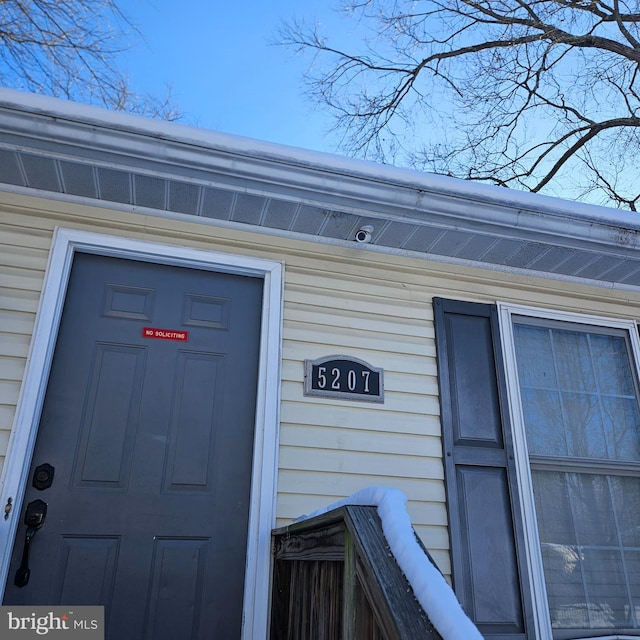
(224, 74)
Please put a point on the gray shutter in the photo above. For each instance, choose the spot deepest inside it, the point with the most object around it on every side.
(484, 524)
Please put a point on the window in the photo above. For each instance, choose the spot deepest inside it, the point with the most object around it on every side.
(574, 400)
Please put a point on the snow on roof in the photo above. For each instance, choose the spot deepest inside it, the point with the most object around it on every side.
(466, 189)
(43, 141)
(429, 586)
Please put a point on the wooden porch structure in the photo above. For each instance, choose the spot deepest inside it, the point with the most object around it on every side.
(335, 578)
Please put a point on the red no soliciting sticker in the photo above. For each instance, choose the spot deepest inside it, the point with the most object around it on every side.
(165, 334)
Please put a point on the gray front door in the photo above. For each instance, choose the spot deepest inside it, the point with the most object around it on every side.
(148, 423)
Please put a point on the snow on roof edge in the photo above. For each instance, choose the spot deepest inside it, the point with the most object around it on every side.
(432, 591)
(318, 160)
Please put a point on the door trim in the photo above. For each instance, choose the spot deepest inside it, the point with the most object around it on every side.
(66, 242)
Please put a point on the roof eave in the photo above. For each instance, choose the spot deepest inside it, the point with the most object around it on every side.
(176, 152)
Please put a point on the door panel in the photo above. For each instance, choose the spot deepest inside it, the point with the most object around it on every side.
(151, 437)
(109, 421)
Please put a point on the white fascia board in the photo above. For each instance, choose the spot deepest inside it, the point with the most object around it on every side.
(347, 184)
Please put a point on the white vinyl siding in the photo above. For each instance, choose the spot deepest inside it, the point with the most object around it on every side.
(337, 300)
(23, 257)
(334, 447)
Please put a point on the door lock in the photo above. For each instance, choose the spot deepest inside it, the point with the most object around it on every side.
(34, 518)
(43, 476)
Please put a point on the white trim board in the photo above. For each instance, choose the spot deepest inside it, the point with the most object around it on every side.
(23, 436)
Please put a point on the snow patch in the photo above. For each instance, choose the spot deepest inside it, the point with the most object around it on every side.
(429, 586)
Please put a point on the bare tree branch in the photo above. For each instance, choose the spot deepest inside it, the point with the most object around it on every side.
(69, 49)
(540, 94)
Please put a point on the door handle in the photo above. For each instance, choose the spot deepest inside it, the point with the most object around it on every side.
(34, 518)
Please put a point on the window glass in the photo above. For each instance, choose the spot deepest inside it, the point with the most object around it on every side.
(582, 422)
(578, 393)
(589, 538)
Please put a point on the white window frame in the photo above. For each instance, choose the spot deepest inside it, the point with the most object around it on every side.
(506, 312)
(66, 243)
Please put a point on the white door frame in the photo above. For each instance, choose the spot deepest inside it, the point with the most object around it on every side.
(23, 436)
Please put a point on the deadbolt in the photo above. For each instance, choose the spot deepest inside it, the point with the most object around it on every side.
(43, 476)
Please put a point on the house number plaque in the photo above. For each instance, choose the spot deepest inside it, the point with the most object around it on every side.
(343, 377)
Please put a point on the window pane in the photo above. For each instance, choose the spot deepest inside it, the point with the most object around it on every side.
(621, 423)
(626, 495)
(555, 522)
(584, 426)
(592, 510)
(545, 428)
(578, 393)
(565, 590)
(573, 361)
(588, 532)
(632, 561)
(533, 346)
(608, 601)
(611, 362)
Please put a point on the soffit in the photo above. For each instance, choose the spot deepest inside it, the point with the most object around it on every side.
(64, 152)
